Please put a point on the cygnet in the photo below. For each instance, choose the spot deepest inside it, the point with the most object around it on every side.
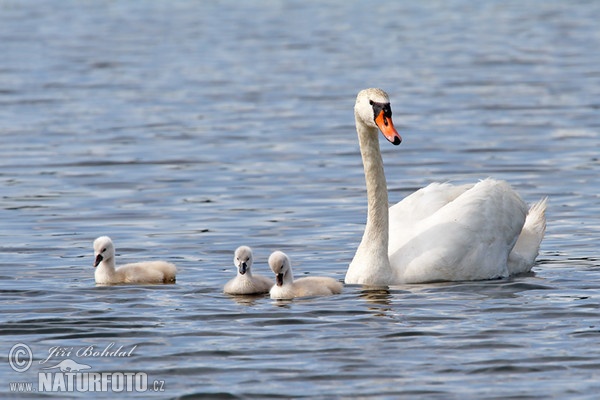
(142, 272)
(288, 288)
(245, 282)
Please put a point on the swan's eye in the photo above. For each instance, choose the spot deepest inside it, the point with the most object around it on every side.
(103, 250)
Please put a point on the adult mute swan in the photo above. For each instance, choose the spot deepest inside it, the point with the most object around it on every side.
(288, 288)
(245, 282)
(142, 272)
(441, 232)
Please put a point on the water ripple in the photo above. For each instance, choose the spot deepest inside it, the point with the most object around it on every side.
(186, 129)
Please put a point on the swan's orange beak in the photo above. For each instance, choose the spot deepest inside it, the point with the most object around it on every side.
(386, 126)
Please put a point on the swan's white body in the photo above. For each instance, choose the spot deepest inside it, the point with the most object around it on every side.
(245, 282)
(288, 288)
(142, 272)
(442, 232)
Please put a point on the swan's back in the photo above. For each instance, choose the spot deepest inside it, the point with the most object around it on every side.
(317, 286)
(426, 201)
(147, 272)
(307, 287)
(468, 238)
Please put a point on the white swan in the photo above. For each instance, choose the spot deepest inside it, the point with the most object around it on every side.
(288, 288)
(441, 232)
(142, 272)
(245, 282)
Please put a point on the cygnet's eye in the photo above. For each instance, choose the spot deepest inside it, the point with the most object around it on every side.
(103, 250)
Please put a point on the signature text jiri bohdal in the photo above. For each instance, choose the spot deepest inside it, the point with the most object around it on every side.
(89, 351)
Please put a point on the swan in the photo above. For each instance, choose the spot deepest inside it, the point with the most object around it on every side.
(288, 288)
(245, 282)
(142, 272)
(441, 232)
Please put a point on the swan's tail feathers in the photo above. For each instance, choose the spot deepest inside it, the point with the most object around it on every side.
(522, 257)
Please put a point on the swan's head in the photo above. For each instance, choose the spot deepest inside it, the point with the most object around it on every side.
(103, 250)
(281, 266)
(242, 259)
(373, 110)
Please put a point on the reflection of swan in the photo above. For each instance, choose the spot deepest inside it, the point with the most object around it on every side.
(376, 295)
(142, 272)
(245, 282)
(441, 232)
(288, 288)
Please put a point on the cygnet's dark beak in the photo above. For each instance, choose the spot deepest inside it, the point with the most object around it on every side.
(98, 260)
(243, 268)
(279, 279)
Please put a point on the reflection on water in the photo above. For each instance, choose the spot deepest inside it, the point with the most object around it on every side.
(184, 130)
(375, 295)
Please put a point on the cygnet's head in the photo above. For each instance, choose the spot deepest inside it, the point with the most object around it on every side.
(103, 250)
(281, 266)
(373, 109)
(242, 259)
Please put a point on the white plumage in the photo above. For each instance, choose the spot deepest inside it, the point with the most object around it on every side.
(245, 281)
(441, 232)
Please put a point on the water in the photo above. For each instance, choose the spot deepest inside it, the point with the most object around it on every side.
(185, 129)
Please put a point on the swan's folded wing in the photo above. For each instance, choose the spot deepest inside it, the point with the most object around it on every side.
(418, 206)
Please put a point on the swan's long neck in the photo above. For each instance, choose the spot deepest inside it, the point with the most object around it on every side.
(371, 265)
(288, 277)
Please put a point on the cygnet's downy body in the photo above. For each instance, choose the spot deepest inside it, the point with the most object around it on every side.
(245, 281)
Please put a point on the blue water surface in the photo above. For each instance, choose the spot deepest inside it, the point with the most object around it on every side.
(185, 129)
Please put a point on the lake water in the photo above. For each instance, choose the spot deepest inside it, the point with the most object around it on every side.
(185, 129)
